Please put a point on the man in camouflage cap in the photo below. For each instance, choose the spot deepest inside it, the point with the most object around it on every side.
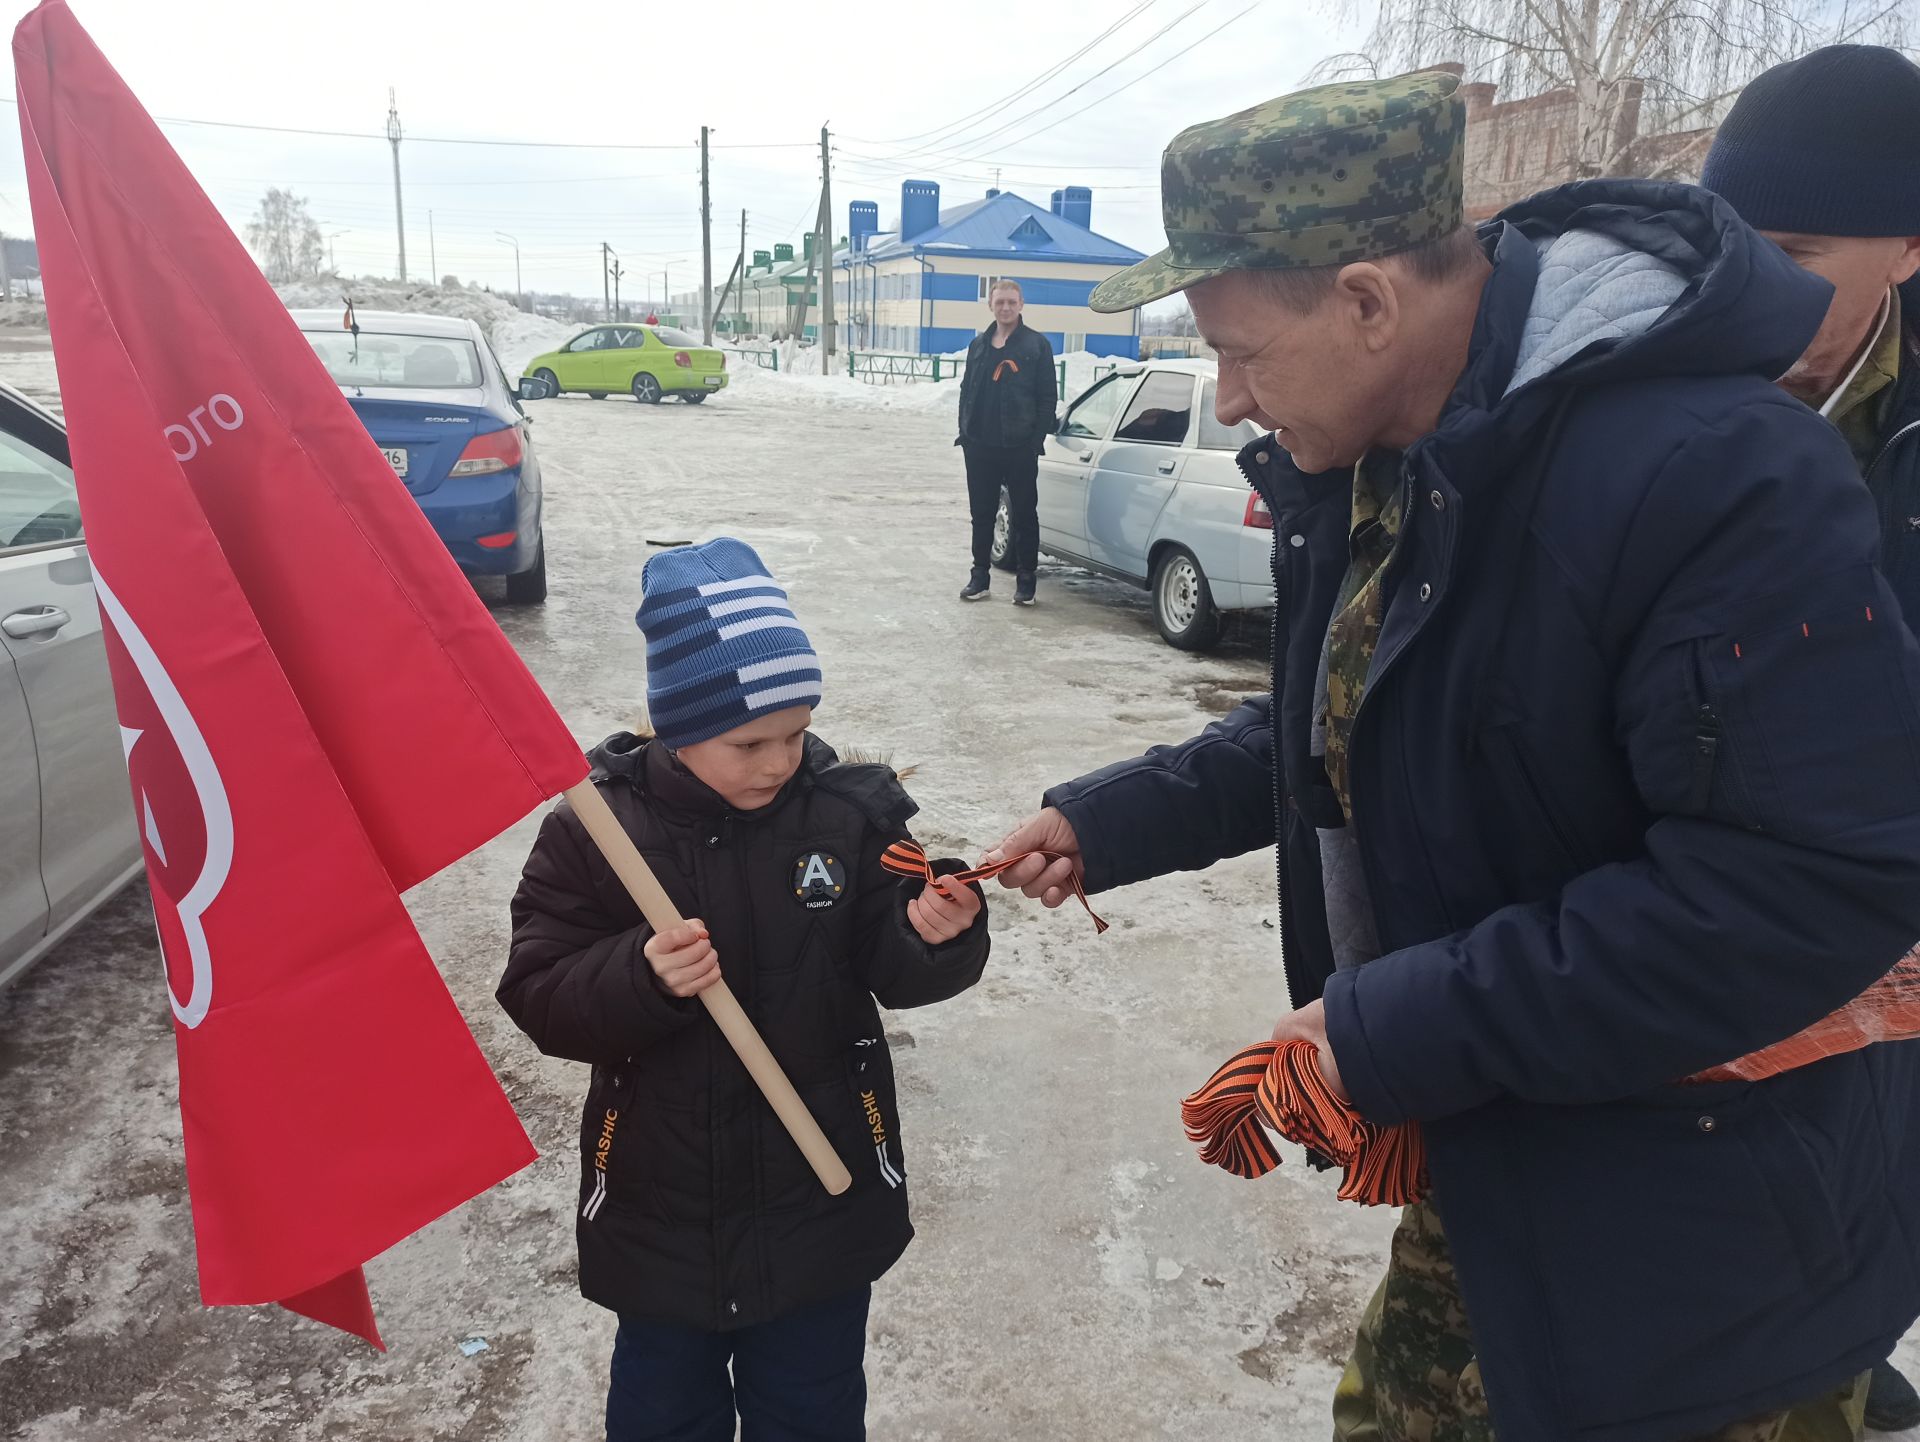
(1591, 759)
(1338, 174)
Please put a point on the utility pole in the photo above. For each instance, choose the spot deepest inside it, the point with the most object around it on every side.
(618, 271)
(399, 213)
(721, 306)
(506, 239)
(825, 248)
(706, 248)
(433, 255)
(740, 300)
(6, 272)
(798, 328)
(606, 295)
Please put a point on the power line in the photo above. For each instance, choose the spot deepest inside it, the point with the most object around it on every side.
(1062, 120)
(936, 151)
(453, 139)
(1041, 79)
(530, 180)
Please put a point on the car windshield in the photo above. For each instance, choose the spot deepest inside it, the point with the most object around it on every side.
(673, 335)
(407, 362)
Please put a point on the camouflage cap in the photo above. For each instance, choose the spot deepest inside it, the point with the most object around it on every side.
(1326, 176)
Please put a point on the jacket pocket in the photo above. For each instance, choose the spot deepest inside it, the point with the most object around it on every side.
(880, 1156)
(1662, 1227)
(1818, 721)
(607, 1107)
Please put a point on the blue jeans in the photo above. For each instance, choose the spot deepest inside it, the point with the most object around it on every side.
(798, 1378)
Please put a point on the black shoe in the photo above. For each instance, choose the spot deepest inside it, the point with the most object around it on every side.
(978, 584)
(1023, 590)
(1892, 1404)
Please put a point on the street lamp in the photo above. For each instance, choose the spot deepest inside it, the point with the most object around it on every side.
(666, 293)
(332, 264)
(506, 239)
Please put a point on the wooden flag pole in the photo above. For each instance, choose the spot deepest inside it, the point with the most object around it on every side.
(662, 915)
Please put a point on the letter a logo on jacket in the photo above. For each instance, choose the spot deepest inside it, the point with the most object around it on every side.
(819, 880)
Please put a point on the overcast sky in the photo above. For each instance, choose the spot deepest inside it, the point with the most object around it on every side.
(893, 83)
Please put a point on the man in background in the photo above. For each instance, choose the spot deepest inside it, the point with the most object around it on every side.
(1007, 400)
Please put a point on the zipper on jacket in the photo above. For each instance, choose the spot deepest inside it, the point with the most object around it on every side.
(1706, 755)
(1892, 441)
(1274, 678)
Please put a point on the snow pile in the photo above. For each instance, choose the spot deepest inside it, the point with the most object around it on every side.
(23, 314)
(515, 336)
(799, 382)
(810, 388)
(518, 337)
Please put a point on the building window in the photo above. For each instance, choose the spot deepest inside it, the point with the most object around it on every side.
(1072, 342)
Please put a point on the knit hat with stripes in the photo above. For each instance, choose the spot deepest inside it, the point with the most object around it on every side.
(722, 643)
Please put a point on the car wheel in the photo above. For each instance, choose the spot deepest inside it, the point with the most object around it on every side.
(598, 395)
(1002, 554)
(693, 398)
(529, 587)
(552, 380)
(1183, 606)
(646, 389)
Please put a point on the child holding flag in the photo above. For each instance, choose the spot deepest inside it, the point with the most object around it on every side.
(700, 1223)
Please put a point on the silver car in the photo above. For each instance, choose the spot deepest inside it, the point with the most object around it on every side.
(67, 839)
(1140, 483)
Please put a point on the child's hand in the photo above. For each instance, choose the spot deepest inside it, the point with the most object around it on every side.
(943, 911)
(684, 959)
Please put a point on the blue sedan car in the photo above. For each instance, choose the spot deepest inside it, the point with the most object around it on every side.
(430, 391)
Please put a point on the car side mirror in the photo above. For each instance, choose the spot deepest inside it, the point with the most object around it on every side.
(533, 388)
(1059, 422)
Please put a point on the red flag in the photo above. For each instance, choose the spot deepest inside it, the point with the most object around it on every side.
(317, 710)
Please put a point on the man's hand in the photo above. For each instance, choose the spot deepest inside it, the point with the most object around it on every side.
(684, 959)
(1310, 1024)
(945, 910)
(1046, 881)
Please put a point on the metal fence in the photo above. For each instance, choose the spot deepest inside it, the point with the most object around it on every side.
(767, 360)
(887, 368)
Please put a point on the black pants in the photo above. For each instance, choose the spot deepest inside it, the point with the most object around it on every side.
(1016, 469)
(798, 1378)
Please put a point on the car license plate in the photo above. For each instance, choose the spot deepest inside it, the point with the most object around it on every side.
(713, 380)
(396, 457)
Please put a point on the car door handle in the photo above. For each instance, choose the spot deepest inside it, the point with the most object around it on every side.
(40, 621)
(1165, 468)
(1085, 456)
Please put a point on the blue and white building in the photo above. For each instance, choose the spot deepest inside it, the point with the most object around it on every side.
(922, 287)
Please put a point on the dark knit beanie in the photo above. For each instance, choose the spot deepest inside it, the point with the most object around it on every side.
(1828, 144)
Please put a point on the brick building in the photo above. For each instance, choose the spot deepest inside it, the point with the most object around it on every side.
(1518, 147)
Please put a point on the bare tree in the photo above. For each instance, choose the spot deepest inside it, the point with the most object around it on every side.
(1632, 67)
(286, 238)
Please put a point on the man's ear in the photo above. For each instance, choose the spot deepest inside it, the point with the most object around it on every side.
(1908, 263)
(1369, 303)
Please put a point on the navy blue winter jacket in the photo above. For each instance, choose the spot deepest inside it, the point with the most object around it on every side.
(1636, 789)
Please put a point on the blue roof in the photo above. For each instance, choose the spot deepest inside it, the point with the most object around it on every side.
(1008, 225)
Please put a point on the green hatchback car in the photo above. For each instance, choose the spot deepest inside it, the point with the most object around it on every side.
(647, 361)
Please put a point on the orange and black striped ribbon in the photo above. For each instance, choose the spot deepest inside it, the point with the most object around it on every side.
(906, 858)
(1278, 1086)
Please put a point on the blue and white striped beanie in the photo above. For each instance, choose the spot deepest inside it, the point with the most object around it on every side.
(722, 643)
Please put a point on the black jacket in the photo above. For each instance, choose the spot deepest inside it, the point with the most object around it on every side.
(1008, 396)
(1894, 474)
(695, 1206)
(1636, 788)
